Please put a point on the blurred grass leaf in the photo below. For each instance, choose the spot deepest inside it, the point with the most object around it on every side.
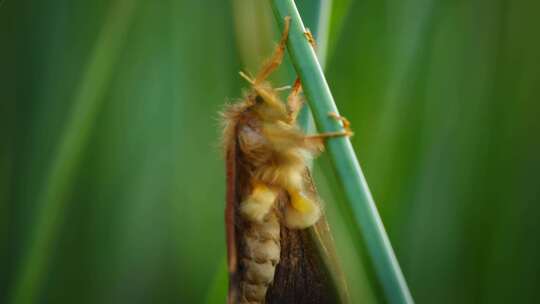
(59, 183)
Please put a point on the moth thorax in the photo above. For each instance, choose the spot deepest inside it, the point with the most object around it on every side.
(285, 176)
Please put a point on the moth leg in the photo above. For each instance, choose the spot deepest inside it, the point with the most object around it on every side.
(294, 101)
(257, 205)
(310, 39)
(277, 57)
(346, 129)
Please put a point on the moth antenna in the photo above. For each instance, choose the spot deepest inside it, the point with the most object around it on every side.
(283, 88)
(247, 77)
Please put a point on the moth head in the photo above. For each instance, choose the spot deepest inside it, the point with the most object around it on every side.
(267, 104)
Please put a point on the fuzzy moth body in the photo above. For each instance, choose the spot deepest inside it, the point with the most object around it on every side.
(271, 199)
(271, 193)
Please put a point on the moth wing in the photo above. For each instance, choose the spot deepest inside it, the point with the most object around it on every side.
(230, 223)
(308, 271)
(324, 242)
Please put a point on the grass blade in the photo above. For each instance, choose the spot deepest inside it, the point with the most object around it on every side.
(87, 103)
(346, 166)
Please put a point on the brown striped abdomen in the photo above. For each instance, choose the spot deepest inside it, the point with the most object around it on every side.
(261, 252)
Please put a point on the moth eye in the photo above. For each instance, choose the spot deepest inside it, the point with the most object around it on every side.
(259, 99)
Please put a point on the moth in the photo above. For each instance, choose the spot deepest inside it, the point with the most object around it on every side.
(277, 237)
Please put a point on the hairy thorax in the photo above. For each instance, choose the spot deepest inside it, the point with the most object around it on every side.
(274, 152)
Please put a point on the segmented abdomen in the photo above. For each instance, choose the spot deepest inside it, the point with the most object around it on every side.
(261, 255)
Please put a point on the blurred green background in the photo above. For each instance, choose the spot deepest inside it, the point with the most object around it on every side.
(111, 175)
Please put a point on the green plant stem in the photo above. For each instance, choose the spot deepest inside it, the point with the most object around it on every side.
(344, 162)
(320, 10)
(60, 180)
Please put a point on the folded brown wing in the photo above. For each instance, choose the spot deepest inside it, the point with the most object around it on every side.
(308, 271)
(231, 198)
(299, 277)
